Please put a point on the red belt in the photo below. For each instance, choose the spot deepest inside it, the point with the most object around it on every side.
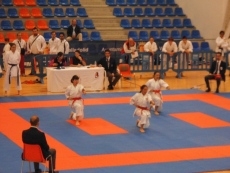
(156, 91)
(142, 108)
(74, 99)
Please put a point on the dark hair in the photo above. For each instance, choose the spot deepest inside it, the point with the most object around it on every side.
(142, 87)
(62, 33)
(78, 51)
(53, 32)
(107, 50)
(59, 54)
(75, 77)
(154, 73)
(12, 44)
(222, 32)
(170, 39)
(35, 28)
(34, 120)
(184, 37)
(7, 39)
(219, 53)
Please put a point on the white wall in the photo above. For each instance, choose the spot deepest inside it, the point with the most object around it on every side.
(208, 16)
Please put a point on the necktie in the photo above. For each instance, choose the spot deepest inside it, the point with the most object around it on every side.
(107, 62)
(217, 67)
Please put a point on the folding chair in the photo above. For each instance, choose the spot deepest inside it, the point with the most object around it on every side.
(126, 73)
(33, 153)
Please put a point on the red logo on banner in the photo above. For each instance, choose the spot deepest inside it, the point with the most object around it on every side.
(96, 75)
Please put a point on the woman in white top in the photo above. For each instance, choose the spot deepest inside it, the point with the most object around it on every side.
(154, 89)
(143, 102)
(12, 59)
(73, 94)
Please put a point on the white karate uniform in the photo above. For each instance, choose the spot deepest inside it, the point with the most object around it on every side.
(54, 45)
(20, 44)
(6, 49)
(77, 106)
(168, 48)
(143, 101)
(156, 96)
(182, 48)
(150, 46)
(63, 47)
(221, 42)
(36, 46)
(12, 58)
(130, 49)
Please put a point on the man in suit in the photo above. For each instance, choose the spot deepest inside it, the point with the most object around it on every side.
(35, 136)
(110, 67)
(217, 72)
(74, 31)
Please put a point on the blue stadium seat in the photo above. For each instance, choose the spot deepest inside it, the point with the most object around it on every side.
(118, 12)
(2, 13)
(42, 2)
(138, 12)
(85, 36)
(7, 2)
(64, 2)
(156, 23)
(196, 46)
(159, 12)
(128, 12)
(79, 23)
(82, 12)
(47, 36)
(196, 34)
(18, 25)
(65, 23)
(59, 12)
(121, 2)
(175, 34)
(133, 35)
(187, 23)
(164, 34)
(167, 23)
(179, 11)
(131, 2)
(204, 46)
(95, 36)
(88, 24)
(70, 12)
(135, 23)
(141, 2)
(161, 2)
(169, 12)
(152, 2)
(12, 13)
(75, 2)
(47, 12)
(53, 2)
(144, 35)
(6, 25)
(149, 12)
(155, 35)
(111, 2)
(146, 23)
(171, 2)
(53, 24)
(177, 23)
(125, 23)
(185, 33)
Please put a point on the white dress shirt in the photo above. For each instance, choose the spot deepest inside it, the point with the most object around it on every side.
(54, 45)
(36, 46)
(63, 47)
(20, 44)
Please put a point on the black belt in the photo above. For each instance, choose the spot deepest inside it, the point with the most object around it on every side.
(12, 65)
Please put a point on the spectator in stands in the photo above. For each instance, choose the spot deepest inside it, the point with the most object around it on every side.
(217, 72)
(6, 49)
(64, 45)
(130, 48)
(35, 46)
(77, 59)
(151, 47)
(54, 43)
(110, 67)
(59, 61)
(185, 46)
(21, 48)
(74, 31)
(221, 43)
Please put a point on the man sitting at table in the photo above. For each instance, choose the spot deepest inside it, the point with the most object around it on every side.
(77, 59)
(110, 67)
(59, 61)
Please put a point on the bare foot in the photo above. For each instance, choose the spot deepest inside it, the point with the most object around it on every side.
(71, 116)
(142, 130)
(156, 113)
(137, 123)
(77, 123)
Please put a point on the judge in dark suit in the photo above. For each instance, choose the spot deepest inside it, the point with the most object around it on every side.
(217, 72)
(110, 67)
(34, 136)
(74, 31)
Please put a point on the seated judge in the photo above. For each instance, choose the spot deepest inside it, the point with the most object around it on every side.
(217, 72)
(59, 61)
(110, 67)
(77, 60)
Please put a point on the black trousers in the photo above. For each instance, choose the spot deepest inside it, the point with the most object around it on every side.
(212, 77)
(116, 76)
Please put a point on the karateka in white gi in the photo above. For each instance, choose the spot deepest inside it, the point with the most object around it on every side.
(154, 89)
(221, 43)
(12, 58)
(143, 103)
(74, 94)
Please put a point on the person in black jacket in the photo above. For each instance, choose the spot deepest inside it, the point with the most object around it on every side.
(34, 136)
(110, 67)
(74, 31)
(217, 72)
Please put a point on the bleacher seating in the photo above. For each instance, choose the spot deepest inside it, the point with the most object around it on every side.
(187, 23)
(12, 13)
(95, 36)
(169, 12)
(185, 33)
(47, 36)
(88, 24)
(134, 35)
(135, 23)
(164, 34)
(152, 2)
(205, 46)
(159, 12)
(81, 12)
(143, 36)
(175, 34)
(155, 35)
(47, 12)
(25, 35)
(167, 23)
(195, 34)
(179, 12)
(146, 23)
(65, 23)
(111, 2)
(42, 24)
(30, 24)
(131, 2)
(59, 12)
(30, 2)
(171, 2)
(6, 25)
(149, 12)
(138, 12)
(24, 13)
(54, 24)
(121, 2)
(36, 12)
(118, 12)
(42, 2)
(177, 23)
(196, 46)
(2, 39)
(64, 2)
(128, 12)
(18, 25)
(7, 2)
(53, 2)
(79, 23)
(11, 35)
(19, 3)
(156, 23)
(2, 13)
(161, 2)
(141, 2)
(85, 36)
(125, 23)
(75, 2)
(70, 12)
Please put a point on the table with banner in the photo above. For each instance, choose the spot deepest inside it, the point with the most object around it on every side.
(91, 78)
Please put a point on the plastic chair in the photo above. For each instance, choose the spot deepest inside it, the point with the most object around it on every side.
(88, 24)
(42, 3)
(70, 12)
(179, 11)
(7, 2)
(169, 12)
(167, 23)
(95, 36)
(47, 12)
(133, 35)
(187, 23)
(156, 23)
(185, 33)
(59, 12)
(30, 3)
(151, 2)
(33, 153)
(141, 2)
(30, 24)
(42, 24)
(159, 12)
(131, 2)
(25, 35)
(75, 2)
(149, 12)
(138, 12)
(53, 2)
(161, 2)
(18, 25)
(12, 13)
(47, 36)
(82, 12)
(204, 46)
(79, 23)
(125, 23)
(171, 2)
(118, 12)
(85, 36)
(143, 36)
(24, 13)
(65, 23)
(196, 46)
(164, 34)
(126, 72)
(64, 2)
(155, 35)
(6, 25)
(2, 13)
(177, 23)
(196, 34)
(128, 12)
(36, 12)
(175, 34)
(146, 23)
(111, 2)
(121, 2)
(19, 3)
(135, 23)
(2, 39)
(54, 24)
(11, 35)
